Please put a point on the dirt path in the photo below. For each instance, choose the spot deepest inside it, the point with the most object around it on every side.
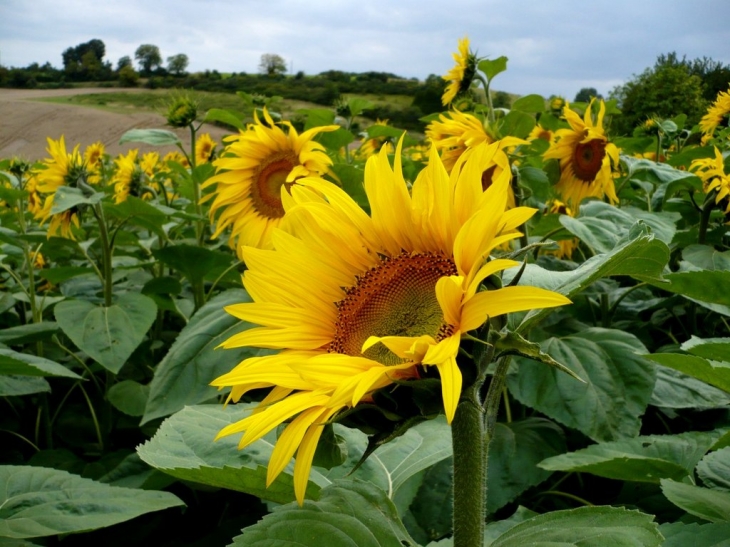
(25, 124)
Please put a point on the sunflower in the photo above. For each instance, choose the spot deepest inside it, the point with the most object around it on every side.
(539, 132)
(129, 177)
(712, 173)
(384, 295)
(565, 246)
(150, 163)
(61, 169)
(204, 148)
(250, 175)
(94, 158)
(461, 75)
(371, 145)
(717, 114)
(586, 158)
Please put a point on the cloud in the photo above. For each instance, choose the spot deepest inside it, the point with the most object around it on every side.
(553, 47)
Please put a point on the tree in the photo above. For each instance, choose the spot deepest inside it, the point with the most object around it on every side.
(177, 63)
(148, 56)
(667, 89)
(128, 77)
(272, 64)
(84, 61)
(123, 61)
(586, 94)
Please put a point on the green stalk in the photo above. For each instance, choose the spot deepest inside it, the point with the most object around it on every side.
(488, 95)
(199, 229)
(705, 213)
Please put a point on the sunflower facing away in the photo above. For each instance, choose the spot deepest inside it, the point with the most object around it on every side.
(586, 158)
(61, 169)
(461, 75)
(717, 114)
(712, 173)
(250, 174)
(357, 301)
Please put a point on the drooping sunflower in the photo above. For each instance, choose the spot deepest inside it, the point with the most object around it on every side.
(586, 158)
(204, 148)
(127, 177)
(712, 173)
(251, 172)
(61, 169)
(717, 114)
(356, 301)
(462, 74)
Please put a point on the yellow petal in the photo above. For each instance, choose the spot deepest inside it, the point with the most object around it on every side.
(449, 293)
(289, 441)
(305, 455)
(450, 386)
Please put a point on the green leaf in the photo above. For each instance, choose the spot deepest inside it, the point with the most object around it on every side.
(642, 257)
(8, 542)
(132, 472)
(643, 459)
(156, 137)
(530, 103)
(620, 383)
(129, 397)
(24, 364)
(11, 386)
(224, 116)
(357, 105)
(584, 527)
(674, 389)
(536, 181)
(26, 334)
(392, 464)
(349, 513)
(336, 140)
(714, 373)
(431, 505)
(317, 117)
(602, 226)
(516, 124)
(38, 501)
(107, 335)
(705, 257)
(492, 67)
(714, 469)
(184, 448)
(514, 453)
(184, 374)
(192, 261)
(712, 505)
(58, 275)
(678, 534)
(66, 198)
(717, 349)
(511, 343)
(351, 178)
(703, 285)
(139, 212)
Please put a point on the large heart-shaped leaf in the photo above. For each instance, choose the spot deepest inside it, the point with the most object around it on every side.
(643, 459)
(39, 501)
(712, 505)
(584, 527)
(618, 389)
(193, 361)
(24, 364)
(351, 513)
(184, 447)
(678, 534)
(108, 335)
(714, 469)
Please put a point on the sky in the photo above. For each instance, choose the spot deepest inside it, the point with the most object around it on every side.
(554, 47)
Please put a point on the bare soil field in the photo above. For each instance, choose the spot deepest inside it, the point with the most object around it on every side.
(25, 123)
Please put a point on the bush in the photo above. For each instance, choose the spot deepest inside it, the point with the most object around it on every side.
(128, 77)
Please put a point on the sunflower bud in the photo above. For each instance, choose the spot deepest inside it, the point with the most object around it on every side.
(182, 112)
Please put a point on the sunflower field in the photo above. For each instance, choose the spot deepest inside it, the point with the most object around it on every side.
(512, 332)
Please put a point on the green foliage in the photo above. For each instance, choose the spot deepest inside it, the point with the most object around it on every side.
(148, 56)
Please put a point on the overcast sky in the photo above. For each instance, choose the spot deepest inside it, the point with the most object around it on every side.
(554, 47)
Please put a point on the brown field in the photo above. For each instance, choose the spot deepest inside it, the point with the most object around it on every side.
(26, 122)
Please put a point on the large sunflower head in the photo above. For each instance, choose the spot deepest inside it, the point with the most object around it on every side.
(586, 158)
(386, 296)
(712, 173)
(453, 133)
(61, 169)
(462, 74)
(250, 175)
(717, 115)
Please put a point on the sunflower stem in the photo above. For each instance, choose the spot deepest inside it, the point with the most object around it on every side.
(196, 188)
(106, 253)
(471, 431)
(706, 211)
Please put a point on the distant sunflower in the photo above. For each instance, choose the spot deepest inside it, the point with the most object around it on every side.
(61, 169)
(94, 158)
(565, 246)
(129, 178)
(712, 173)
(462, 74)
(539, 132)
(204, 148)
(586, 158)
(256, 164)
(385, 295)
(371, 145)
(453, 133)
(717, 114)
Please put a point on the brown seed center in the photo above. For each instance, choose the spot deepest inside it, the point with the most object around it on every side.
(268, 178)
(588, 158)
(395, 298)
